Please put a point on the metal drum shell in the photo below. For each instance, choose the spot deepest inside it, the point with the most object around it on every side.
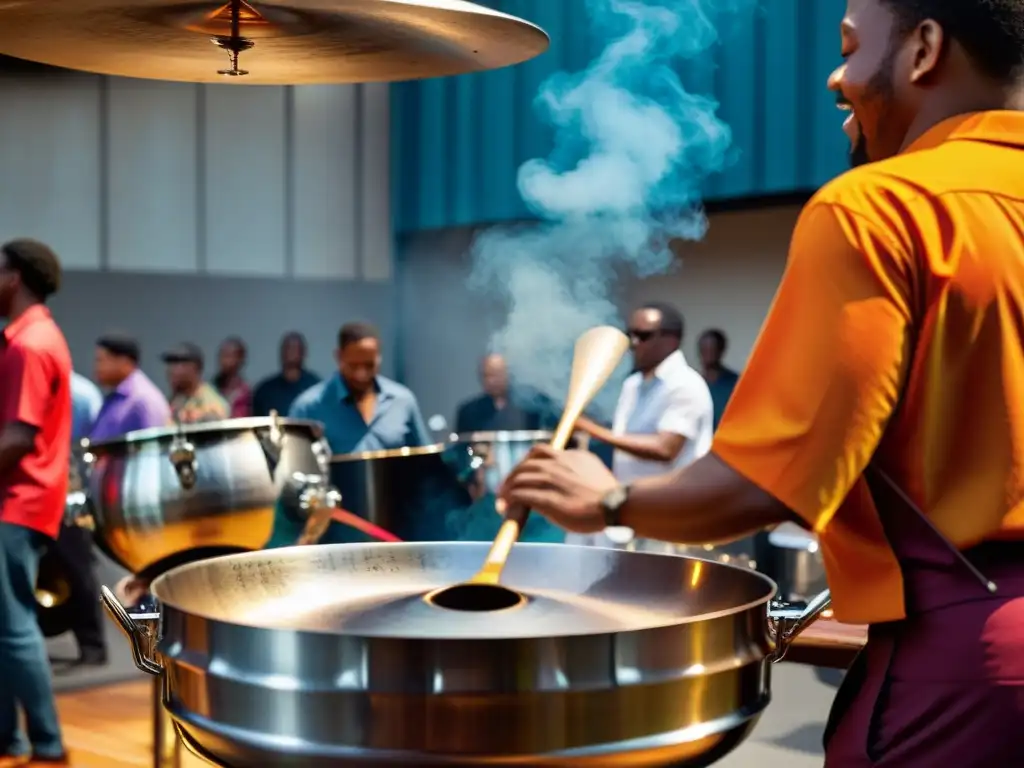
(798, 565)
(248, 683)
(410, 492)
(149, 514)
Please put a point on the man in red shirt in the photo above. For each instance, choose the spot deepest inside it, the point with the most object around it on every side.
(35, 444)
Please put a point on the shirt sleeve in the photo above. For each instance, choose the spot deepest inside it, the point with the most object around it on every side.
(828, 368)
(300, 409)
(684, 412)
(27, 393)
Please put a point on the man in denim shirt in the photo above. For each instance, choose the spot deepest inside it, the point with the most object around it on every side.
(86, 401)
(74, 546)
(360, 409)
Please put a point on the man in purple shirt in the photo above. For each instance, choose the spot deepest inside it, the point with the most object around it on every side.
(133, 401)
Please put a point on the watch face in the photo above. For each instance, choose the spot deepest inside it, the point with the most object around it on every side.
(611, 503)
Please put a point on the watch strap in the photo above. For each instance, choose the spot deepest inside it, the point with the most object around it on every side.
(611, 505)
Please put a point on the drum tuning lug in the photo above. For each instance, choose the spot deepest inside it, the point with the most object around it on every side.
(310, 492)
(322, 454)
(183, 457)
(272, 441)
(316, 501)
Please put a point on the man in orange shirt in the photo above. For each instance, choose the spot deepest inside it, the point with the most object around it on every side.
(886, 388)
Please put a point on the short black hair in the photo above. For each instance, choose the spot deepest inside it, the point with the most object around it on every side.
(37, 264)
(990, 31)
(718, 336)
(121, 345)
(351, 333)
(671, 323)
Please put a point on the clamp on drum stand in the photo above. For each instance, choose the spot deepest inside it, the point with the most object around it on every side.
(142, 627)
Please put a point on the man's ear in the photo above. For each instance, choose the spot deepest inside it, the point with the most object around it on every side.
(927, 43)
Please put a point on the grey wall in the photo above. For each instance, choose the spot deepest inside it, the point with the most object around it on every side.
(195, 211)
(726, 281)
(170, 308)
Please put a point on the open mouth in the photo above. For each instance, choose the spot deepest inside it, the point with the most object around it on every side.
(850, 126)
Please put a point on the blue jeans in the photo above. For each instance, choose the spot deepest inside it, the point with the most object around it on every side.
(24, 666)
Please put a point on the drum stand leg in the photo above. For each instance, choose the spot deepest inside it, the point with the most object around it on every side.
(166, 745)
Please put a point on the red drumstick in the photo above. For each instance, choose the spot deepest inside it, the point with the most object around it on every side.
(354, 521)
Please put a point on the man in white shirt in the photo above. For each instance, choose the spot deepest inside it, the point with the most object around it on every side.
(665, 416)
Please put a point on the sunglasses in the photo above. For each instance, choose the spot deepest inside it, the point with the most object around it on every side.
(641, 336)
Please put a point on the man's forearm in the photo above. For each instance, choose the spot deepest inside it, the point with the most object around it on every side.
(705, 502)
(647, 447)
(10, 454)
(16, 440)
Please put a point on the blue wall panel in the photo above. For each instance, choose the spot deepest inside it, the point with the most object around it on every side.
(458, 142)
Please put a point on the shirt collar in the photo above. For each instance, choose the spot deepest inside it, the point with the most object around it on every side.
(33, 314)
(995, 126)
(671, 364)
(382, 385)
(125, 387)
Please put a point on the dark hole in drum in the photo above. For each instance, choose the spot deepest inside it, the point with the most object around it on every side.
(476, 597)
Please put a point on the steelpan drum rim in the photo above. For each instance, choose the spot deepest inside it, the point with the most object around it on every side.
(389, 453)
(229, 426)
(727, 733)
(300, 552)
(504, 436)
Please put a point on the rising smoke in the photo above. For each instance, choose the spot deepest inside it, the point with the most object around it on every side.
(632, 150)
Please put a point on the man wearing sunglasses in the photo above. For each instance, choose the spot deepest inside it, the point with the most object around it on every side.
(665, 415)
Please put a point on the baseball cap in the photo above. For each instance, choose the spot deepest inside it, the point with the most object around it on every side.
(185, 352)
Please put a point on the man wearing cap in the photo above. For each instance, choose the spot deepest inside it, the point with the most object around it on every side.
(133, 401)
(193, 400)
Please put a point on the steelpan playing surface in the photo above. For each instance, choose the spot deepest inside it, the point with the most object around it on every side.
(378, 590)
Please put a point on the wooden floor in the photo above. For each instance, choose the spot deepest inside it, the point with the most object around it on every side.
(111, 727)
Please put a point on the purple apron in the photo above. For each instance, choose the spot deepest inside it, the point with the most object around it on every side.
(945, 686)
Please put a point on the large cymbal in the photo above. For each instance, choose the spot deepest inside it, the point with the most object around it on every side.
(279, 43)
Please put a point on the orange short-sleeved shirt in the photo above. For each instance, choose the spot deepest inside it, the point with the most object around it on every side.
(897, 334)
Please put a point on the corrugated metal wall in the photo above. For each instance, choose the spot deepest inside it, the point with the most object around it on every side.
(457, 143)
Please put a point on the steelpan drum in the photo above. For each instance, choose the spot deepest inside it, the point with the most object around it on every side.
(330, 656)
(410, 492)
(160, 497)
(482, 461)
(798, 565)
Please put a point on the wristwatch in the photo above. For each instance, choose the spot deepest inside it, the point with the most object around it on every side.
(612, 503)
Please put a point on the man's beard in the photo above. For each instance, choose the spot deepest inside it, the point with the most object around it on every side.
(859, 152)
(881, 90)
